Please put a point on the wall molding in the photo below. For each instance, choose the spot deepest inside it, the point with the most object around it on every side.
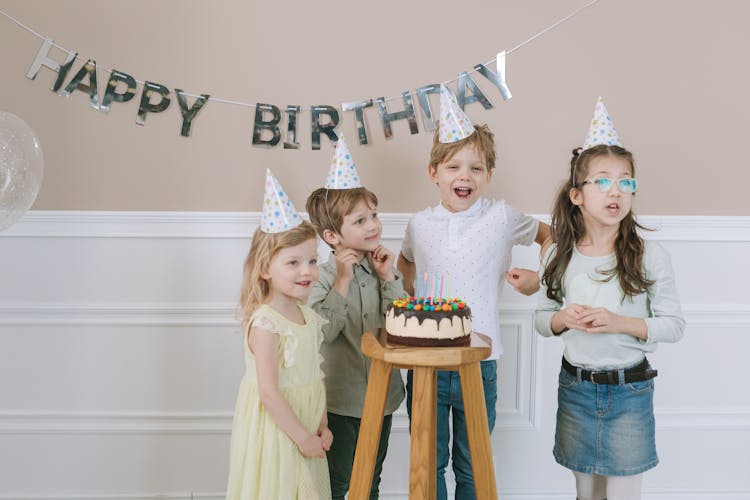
(125, 224)
(119, 422)
(520, 417)
(100, 307)
(122, 496)
(222, 314)
(118, 313)
(35, 422)
(515, 494)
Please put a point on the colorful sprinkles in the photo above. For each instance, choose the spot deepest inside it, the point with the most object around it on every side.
(429, 304)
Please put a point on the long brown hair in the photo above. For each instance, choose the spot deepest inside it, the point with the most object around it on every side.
(568, 228)
(263, 248)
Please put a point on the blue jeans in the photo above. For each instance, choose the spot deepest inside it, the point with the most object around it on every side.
(449, 398)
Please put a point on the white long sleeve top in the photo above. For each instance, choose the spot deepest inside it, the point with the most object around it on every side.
(659, 306)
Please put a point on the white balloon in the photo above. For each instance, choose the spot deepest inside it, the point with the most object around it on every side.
(21, 168)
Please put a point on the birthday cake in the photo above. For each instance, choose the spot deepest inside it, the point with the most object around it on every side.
(427, 322)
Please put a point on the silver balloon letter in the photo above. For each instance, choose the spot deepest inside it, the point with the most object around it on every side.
(188, 113)
(328, 128)
(272, 125)
(499, 78)
(407, 114)
(359, 116)
(465, 80)
(291, 131)
(111, 93)
(150, 89)
(42, 59)
(88, 69)
(430, 124)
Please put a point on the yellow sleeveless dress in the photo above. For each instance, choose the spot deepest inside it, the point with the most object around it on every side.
(264, 462)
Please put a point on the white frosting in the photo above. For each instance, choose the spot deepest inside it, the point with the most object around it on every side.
(449, 328)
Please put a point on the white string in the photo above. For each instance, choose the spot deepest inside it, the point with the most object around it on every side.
(553, 26)
(248, 105)
(22, 25)
(531, 39)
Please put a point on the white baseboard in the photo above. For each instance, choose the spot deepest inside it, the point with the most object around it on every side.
(402, 495)
(124, 496)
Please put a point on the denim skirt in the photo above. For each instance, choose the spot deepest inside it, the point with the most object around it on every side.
(605, 429)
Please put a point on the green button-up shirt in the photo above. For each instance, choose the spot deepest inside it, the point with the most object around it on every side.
(362, 310)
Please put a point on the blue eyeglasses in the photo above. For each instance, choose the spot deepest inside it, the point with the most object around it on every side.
(626, 185)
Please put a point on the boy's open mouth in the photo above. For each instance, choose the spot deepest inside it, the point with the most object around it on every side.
(463, 192)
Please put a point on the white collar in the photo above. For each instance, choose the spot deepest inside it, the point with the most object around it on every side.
(440, 210)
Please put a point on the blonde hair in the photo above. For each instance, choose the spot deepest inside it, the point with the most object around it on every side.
(482, 139)
(328, 207)
(263, 248)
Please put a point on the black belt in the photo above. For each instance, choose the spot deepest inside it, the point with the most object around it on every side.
(637, 373)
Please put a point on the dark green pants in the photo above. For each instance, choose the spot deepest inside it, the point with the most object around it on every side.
(341, 455)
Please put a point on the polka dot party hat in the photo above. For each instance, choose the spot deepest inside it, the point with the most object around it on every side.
(602, 130)
(279, 214)
(454, 124)
(342, 174)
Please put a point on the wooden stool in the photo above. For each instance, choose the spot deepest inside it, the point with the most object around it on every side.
(425, 361)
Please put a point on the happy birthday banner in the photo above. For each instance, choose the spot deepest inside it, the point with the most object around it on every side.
(155, 97)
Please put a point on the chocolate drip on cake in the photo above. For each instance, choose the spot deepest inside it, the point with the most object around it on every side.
(401, 328)
(423, 315)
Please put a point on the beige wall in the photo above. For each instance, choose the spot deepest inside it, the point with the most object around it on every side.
(674, 75)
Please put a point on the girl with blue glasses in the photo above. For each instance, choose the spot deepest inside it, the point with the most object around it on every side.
(611, 297)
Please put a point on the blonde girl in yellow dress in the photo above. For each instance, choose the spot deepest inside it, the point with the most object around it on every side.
(279, 432)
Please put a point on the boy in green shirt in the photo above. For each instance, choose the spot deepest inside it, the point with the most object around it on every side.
(355, 287)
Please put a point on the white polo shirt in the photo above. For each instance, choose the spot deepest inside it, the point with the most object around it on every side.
(472, 251)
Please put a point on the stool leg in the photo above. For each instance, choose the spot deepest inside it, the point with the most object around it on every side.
(478, 431)
(369, 430)
(423, 458)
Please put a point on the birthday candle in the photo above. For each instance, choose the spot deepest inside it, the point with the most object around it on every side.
(419, 286)
(435, 290)
(424, 285)
(440, 294)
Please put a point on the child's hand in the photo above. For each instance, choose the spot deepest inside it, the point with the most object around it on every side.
(326, 437)
(346, 259)
(570, 317)
(382, 261)
(600, 320)
(525, 281)
(312, 447)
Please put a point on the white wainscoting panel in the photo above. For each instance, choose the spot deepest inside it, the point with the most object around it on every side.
(120, 359)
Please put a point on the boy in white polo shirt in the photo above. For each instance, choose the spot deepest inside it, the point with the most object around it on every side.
(468, 240)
